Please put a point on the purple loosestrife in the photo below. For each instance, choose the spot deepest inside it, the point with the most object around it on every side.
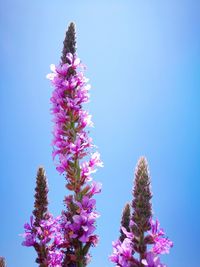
(74, 153)
(161, 245)
(141, 241)
(43, 231)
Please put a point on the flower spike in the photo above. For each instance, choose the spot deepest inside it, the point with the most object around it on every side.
(69, 42)
(142, 240)
(142, 209)
(74, 154)
(41, 197)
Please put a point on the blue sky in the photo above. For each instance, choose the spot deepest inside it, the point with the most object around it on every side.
(143, 63)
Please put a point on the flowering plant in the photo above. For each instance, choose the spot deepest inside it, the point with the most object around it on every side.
(141, 239)
(66, 240)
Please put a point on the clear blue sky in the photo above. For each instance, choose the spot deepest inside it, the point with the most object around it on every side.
(143, 61)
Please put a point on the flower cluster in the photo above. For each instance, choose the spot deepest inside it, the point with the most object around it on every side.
(161, 244)
(123, 251)
(43, 232)
(66, 240)
(71, 141)
(46, 239)
(152, 260)
(141, 239)
(74, 153)
(81, 227)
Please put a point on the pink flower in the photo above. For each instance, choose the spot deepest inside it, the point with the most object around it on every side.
(70, 140)
(122, 253)
(95, 188)
(55, 258)
(95, 160)
(48, 232)
(162, 244)
(87, 204)
(71, 144)
(29, 235)
(52, 75)
(83, 226)
(128, 234)
(152, 260)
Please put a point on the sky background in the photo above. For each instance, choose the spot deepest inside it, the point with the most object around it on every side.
(143, 61)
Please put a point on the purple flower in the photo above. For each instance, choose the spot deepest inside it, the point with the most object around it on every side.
(48, 231)
(55, 258)
(29, 239)
(152, 260)
(95, 188)
(71, 91)
(29, 235)
(162, 244)
(83, 225)
(122, 253)
(87, 204)
(127, 234)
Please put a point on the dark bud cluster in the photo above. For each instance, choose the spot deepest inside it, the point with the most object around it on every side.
(69, 42)
(41, 197)
(142, 208)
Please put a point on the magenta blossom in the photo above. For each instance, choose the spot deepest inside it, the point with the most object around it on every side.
(74, 152)
(87, 204)
(71, 141)
(55, 258)
(162, 244)
(48, 232)
(152, 260)
(122, 253)
(29, 235)
(83, 225)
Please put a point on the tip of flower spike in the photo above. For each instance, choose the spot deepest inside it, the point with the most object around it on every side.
(142, 161)
(69, 42)
(41, 170)
(72, 26)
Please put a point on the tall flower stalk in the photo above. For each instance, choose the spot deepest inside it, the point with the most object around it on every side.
(43, 231)
(74, 151)
(141, 240)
